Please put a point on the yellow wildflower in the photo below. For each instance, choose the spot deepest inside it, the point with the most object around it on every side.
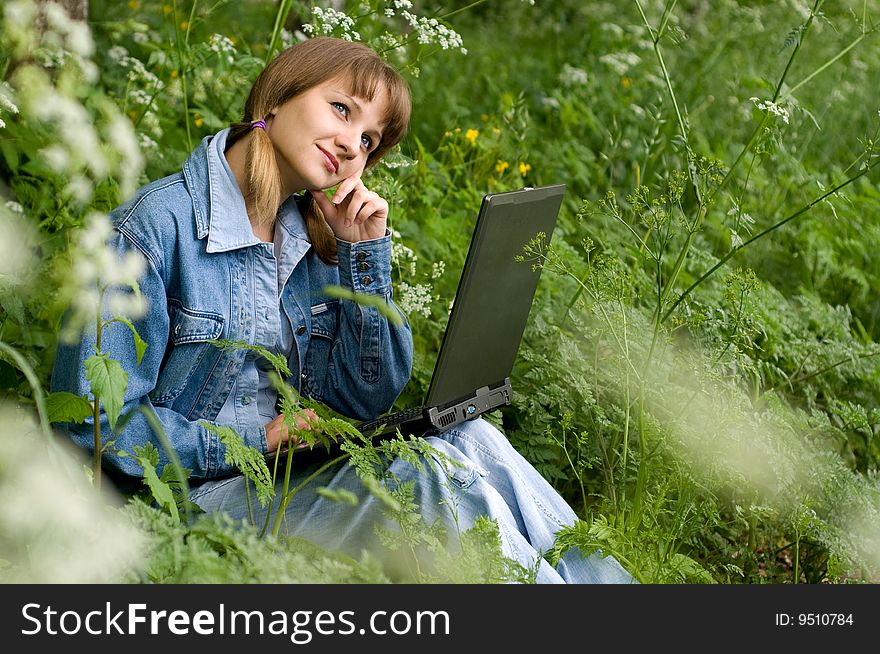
(167, 9)
(184, 26)
(134, 4)
(471, 135)
(198, 121)
(524, 168)
(625, 82)
(501, 166)
(173, 74)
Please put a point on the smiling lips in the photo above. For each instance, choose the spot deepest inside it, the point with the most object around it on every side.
(330, 162)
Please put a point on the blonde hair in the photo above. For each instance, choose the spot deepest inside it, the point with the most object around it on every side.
(294, 71)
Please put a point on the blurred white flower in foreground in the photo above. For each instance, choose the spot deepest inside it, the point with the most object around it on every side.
(54, 526)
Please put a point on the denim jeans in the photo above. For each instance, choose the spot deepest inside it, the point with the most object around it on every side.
(494, 480)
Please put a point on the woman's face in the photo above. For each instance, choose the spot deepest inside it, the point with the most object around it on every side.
(325, 135)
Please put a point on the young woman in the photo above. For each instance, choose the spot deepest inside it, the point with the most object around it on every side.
(239, 246)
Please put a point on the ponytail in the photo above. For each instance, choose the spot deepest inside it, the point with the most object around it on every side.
(322, 237)
(263, 192)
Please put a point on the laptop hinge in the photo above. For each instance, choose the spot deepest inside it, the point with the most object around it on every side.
(485, 399)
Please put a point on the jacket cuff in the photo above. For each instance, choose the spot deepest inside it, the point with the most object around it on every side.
(365, 266)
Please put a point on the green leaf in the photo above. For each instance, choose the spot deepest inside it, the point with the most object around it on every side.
(379, 302)
(140, 345)
(109, 383)
(249, 460)
(67, 407)
(148, 456)
(278, 361)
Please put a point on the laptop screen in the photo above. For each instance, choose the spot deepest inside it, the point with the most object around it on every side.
(495, 293)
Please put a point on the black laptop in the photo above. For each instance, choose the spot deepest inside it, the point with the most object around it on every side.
(487, 321)
(488, 317)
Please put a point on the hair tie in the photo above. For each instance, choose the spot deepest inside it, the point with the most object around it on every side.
(258, 123)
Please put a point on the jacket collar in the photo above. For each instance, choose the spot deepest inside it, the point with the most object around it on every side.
(219, 206)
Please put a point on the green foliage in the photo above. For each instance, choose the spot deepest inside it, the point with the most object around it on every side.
(248, 460)
(699, 378)
(108, 381)
(67, 407)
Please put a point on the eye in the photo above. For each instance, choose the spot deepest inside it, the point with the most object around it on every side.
(367, 142)
(341, 108)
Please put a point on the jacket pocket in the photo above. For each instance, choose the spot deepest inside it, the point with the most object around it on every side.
(325, 318)
(190, 333)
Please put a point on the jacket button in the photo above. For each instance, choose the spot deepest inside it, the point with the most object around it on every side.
(366, 280)
(363, 265)
(300, 330)
(361, 255)
(246, 400)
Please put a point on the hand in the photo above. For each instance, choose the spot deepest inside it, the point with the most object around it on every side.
(277, 431)
(356, 213)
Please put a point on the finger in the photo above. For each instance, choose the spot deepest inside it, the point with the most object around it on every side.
(371, 208)
(345, 187)
(358, 199)
(311, 415)
(302, 423)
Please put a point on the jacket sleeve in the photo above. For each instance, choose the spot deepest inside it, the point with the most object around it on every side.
(371, 357)
(196, 447)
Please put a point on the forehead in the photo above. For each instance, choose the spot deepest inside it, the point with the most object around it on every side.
(371, 96)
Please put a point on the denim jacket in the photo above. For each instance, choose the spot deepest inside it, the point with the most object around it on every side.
(200, 287)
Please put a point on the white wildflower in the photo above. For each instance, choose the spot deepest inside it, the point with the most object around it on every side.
(6, 95)
(438, 269)
(612, 28)
(52, 520)
(17, 239)
(79, 39)
(56, 157)
(222, 46)
(96, 267)
(415, 299)
(80, 189)
(121, 134)
(431, 30)
(572, 76)
(328, 21)
(117, 53)
(146, 143)
(621, 62)
(20, 15)
(768, 106)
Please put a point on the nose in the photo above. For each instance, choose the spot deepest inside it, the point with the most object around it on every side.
(348, 141)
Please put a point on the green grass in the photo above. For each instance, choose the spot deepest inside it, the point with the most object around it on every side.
(700, 374)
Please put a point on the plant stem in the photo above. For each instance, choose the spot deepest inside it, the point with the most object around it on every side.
(828, 63)
(770, 229)
(183, 71)
(280, 18)
(285, 500)
(39, 399)
(96, 404)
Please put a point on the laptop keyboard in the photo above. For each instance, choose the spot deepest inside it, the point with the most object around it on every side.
(367, 428)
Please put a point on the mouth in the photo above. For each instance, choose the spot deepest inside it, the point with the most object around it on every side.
(330, 162)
